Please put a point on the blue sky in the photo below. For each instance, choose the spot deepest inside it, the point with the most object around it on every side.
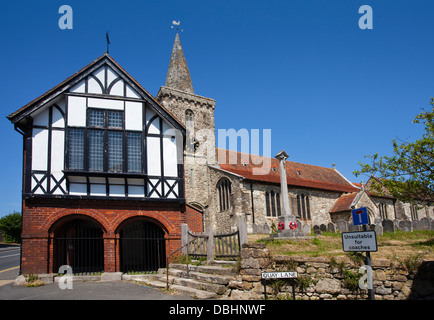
(328, 90)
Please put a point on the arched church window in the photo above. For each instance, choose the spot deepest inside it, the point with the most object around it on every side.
(224, 193)
(383, 210)
(272, 203)
(303, 207)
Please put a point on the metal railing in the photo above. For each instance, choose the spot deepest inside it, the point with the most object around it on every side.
(167, 261)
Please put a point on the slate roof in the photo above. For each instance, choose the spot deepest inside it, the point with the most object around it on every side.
(298, 174)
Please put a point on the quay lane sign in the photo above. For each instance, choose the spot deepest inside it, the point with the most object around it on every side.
(279, 275)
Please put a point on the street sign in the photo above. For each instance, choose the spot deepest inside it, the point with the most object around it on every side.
(363, 241)
(360, 216)
(279, 275)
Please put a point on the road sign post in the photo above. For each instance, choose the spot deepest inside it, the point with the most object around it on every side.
(365, 241)
(371, 293)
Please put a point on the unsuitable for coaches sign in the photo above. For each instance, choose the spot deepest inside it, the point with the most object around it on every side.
(359, 241)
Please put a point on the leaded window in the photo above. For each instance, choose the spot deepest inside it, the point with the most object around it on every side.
(134, 152)
(104, 145)
(96, 150)
(76, 149)
(115, 159)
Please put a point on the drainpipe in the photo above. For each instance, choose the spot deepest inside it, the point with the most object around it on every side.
(253, 205)
(21, 231)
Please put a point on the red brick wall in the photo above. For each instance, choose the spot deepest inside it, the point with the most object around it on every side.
(41, 217)
(194, 219)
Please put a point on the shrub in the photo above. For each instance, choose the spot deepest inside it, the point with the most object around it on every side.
(11, 227)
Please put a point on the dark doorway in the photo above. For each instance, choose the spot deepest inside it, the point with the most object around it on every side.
(79, 244)
(142, 247)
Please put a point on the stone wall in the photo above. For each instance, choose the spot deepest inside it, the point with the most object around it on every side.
(320, 202)
(223, 221)
(203, 130)
(325, 279)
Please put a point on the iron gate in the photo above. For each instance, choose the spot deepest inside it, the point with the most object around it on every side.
(142, 247)
(79, 244)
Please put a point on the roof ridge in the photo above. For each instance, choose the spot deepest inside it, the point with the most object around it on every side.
(306, 164)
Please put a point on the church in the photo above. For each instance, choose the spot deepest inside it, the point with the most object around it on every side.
(110, 173)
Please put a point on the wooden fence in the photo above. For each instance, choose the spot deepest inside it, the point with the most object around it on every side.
(210, 245)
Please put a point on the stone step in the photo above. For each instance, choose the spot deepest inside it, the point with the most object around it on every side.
(192, 283)
(202, 281)
(219, 270)
(160, 281)
(217, 262)
(192, 292)
(204, 277)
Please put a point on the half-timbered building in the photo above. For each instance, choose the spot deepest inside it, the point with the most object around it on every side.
(103, 184)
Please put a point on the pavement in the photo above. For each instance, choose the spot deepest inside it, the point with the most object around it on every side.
(89, 290)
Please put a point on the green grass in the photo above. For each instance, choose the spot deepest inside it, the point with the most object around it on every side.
(330, 244)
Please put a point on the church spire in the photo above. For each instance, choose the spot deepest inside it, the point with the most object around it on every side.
(178, 76)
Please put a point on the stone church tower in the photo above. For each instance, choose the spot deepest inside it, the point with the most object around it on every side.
(197, 115)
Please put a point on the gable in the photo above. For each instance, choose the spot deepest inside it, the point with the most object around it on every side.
(104, 76)
(106, 81)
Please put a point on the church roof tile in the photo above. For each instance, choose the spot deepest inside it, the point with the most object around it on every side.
(298, 174)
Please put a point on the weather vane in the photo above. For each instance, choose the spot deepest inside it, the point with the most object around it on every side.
(176, 24)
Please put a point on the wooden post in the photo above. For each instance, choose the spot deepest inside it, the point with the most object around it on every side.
(210, 246)
(242, 230)
(184, 237)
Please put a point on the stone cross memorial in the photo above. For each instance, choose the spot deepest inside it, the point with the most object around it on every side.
(291, 228)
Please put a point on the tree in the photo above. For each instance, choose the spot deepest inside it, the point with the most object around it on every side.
(408, 174)
(11, 227)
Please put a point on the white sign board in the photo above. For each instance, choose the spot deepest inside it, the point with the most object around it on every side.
(279, 275)
(359, 241)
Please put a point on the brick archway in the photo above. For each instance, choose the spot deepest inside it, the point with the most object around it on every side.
(142, 245)
(78, 243)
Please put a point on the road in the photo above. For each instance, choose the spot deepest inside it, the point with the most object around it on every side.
(9, 263)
